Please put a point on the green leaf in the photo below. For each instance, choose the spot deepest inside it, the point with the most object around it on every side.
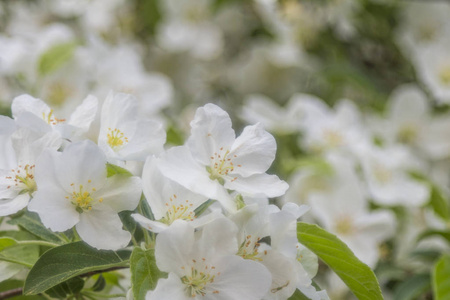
(439, 203)
(127, 220)
(413, 287)
(441, 278)
(70, 287)
(13, 252)
(55, 57)
(144, 272)
(64, 262)
(298, 296)
(99, 284)
(441, 233)
(201, 209)
(116, 170)
(30, 222)
(357, 276)
(6, 242)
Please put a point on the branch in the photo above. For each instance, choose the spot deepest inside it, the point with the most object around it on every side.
(10, 293)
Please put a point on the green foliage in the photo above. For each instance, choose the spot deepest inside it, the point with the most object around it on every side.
(12, 251)
(116, 170)
(70, 287)
(144, 272)
(204, 206)
(64, 262)
(298, 296)
(357, 276)
(441, 278)
(30, 222)
(55, 57)
(413, 287)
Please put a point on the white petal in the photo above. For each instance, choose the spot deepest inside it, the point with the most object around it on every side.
(240, 279)
(218, 238)
(26, 103)
(169, 289)
(258, 185)
(255, 151)
(81, 162)
(9, 207)
(148, 137)
(179, 165)
(121, 192)
(84, 114)
(102, 228)
(210, 130)
(153, 226)
(159, 190)
(56, 212)
(173, 247)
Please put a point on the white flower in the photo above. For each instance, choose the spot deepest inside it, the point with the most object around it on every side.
(386, 171)
(410, 121)
(123, 135)
(168, 200)
(203, 265)
(20, 151)
(73, 190)
(215, 161)
(187, 27)
(343, 210)
(34, 113)
(326, 129)
(433, 68)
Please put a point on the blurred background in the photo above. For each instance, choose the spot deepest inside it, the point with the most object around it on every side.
(356, 93)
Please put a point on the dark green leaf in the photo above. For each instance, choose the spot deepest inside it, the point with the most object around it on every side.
(144, 272)
(413, 287)
(357, 276)
(99, 284)
(298, 296)
(62, 263)
(70, 287)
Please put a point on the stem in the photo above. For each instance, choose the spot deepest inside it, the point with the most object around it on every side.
(94, 294)
(10, 293)
(40, 243)
(29, 266)
(88, 274)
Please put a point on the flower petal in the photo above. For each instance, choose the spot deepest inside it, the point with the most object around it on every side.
(210, 130)
(258, 185)
(121, 192)
(101, 228)
(254, 149)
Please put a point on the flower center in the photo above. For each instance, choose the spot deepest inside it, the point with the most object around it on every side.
(344, 225)
(221, 165)
(333, 138)
(82, 198)
(382, 174)
(444, 75)
(58, 93)
(249, 248)
(178, 211)
(407, 134)
(196, 281)
(23, 178)
(116, 139)
(51, 119)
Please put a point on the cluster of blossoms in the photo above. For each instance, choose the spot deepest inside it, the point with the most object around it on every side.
(374, 171)
(239, 247)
